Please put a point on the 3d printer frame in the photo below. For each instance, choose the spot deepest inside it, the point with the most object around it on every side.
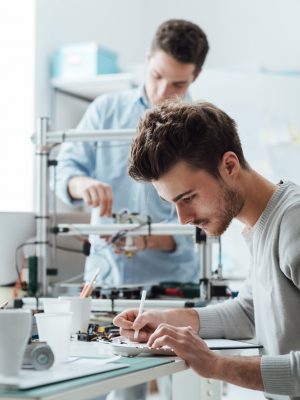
(45, 140)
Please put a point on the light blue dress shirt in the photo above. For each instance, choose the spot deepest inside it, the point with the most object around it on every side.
(107, 161)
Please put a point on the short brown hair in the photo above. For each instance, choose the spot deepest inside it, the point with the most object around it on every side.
(197, 134)
(182, 40)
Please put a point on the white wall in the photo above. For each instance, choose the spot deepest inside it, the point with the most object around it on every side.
(242, 34)
(16, 103)
(115, 23)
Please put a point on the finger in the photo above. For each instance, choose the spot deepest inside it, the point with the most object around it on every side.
(122, 323)
(87, 197)
(102, 200)
(106, 203)
(142, 321)
(127, 316)
(95, 198)
(161, 330)
(129, 333)
(109, 197)
(167, 340)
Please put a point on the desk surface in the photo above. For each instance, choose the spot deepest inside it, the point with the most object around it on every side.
(141, 369)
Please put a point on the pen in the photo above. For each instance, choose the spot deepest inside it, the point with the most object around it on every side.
(88, 288)
(4, 304)
(141, 309)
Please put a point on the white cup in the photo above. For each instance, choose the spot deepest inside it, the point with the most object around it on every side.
(55, 330)
(56, 306)
(15, 329)
(81, 309)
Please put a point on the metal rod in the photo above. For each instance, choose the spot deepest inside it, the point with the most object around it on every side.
(42, 215)
(45, 137)
(72, 135)
(133, 229)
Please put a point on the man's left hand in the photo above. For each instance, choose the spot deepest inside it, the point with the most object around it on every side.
(187, 344)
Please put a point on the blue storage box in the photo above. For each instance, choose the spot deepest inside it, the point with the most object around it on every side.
(83, 60)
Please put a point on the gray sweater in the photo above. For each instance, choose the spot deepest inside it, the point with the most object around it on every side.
(268, 306)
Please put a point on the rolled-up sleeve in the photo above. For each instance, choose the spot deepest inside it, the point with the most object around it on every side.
(78, 158)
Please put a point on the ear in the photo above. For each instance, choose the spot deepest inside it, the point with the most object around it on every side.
(229, 166)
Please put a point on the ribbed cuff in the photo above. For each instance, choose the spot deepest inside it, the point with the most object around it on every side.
(276, 374)
(210, 323)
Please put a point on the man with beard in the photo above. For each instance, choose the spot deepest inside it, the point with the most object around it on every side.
(193, 157)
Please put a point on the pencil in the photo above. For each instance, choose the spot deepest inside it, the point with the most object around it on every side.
(141, 309)
(4, 304)
(88, 288)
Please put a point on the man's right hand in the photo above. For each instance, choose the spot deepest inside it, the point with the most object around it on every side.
(150, 320)
(128, 322)
(93, 192)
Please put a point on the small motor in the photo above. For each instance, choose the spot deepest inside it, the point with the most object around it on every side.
(38, 355)
(125, 217)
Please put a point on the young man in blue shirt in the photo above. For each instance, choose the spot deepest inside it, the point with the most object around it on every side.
(96, 173)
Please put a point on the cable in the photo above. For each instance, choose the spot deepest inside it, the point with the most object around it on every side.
(68, 249)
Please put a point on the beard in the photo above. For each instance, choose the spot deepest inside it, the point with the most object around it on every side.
(229, 206)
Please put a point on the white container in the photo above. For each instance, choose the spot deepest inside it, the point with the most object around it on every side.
(81, 309)
(55, 330)
(15, 329)
(56, 306)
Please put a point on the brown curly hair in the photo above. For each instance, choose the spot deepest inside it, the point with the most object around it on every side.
(197, 134)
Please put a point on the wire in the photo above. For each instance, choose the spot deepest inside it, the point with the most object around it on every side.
(70, 250)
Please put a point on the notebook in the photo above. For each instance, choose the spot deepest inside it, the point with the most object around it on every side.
(124, 347)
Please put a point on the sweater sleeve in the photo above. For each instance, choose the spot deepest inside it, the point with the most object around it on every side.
(281, 374)
(78, 158)
(233, 319)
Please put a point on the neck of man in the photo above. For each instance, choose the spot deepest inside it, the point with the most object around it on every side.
(257, 192)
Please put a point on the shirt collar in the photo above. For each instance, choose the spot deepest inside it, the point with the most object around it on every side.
(142, 98)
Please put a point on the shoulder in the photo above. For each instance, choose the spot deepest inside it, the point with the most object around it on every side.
(289, 235)
(290, 206)
(118, 99)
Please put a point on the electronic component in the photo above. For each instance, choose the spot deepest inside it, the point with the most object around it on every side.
(38, 355)
(129, 218)
(96, 331)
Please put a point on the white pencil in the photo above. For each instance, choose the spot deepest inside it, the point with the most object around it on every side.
(141, 309)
